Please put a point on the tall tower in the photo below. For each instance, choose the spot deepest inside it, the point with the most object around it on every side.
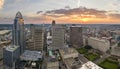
(11, 54)
(58, 36)
(76, 38)
(18, 32)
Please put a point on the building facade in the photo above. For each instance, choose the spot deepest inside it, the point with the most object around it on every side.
(100, 44)
(11, 54)
(58, 37)
(76, 39)
(18, 35)
(37, 38)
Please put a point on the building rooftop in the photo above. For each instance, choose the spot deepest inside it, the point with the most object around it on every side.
(90, 65)
(31, 55)
(72, 62)
(76, 26)
(66, 51)
(99, 39)
(11, 48)
(53, 65)
(3, 32)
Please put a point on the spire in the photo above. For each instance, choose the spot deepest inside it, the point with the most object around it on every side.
(53, 22)
(18, 15)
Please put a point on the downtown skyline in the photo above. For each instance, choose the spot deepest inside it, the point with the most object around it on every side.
(63, 11)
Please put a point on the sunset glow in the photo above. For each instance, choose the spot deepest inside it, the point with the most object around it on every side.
(80, 11)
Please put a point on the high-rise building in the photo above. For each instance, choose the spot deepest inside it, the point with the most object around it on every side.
(18, 32)
(76, 38)
(58, 36)
(37, 38)
(32, 28)
(11, 54)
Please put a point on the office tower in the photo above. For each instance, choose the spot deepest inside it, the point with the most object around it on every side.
(37, 38)
(32, 27)
(58, 36)
(11, 54)
(76, 38)
(18, 32)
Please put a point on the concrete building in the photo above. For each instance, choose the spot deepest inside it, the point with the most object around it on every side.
(32, 28)
(76, 38)
(53, 65)
(58, 37)
(37, 38)
(70, 58)
(99, 43)
(72, 63)
(68, 53)
(30, 44)
(115, 51)
(90, 65)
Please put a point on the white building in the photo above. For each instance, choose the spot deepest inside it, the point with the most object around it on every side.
(90, 65)
(100, 44)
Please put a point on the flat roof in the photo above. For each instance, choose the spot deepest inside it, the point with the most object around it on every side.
(53, 65)
(29, 55)
(66, 51)
(90, 65)
(72, 62)
(99, 39)
(11, 48)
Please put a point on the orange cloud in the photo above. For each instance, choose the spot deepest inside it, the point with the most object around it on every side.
(82, 15)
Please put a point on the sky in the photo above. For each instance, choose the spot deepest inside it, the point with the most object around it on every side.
(62, 11)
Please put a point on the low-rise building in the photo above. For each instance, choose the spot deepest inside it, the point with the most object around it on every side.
(72, 63)
(100, 44)
(116, 51)
(70, 58)
(53, 65)
(90, 65)
(68, 53)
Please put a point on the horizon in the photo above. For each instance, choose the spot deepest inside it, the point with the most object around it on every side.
(77, 12)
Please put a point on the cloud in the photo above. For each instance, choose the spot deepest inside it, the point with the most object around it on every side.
(67, 7)
(39, 12)
(78, 11)
(114, 16)
(1, 3)
(82, 14)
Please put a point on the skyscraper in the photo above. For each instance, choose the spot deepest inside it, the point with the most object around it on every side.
(37, 38)
(76, 38)
(11, 54)
(58, 36)
(18, 32)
